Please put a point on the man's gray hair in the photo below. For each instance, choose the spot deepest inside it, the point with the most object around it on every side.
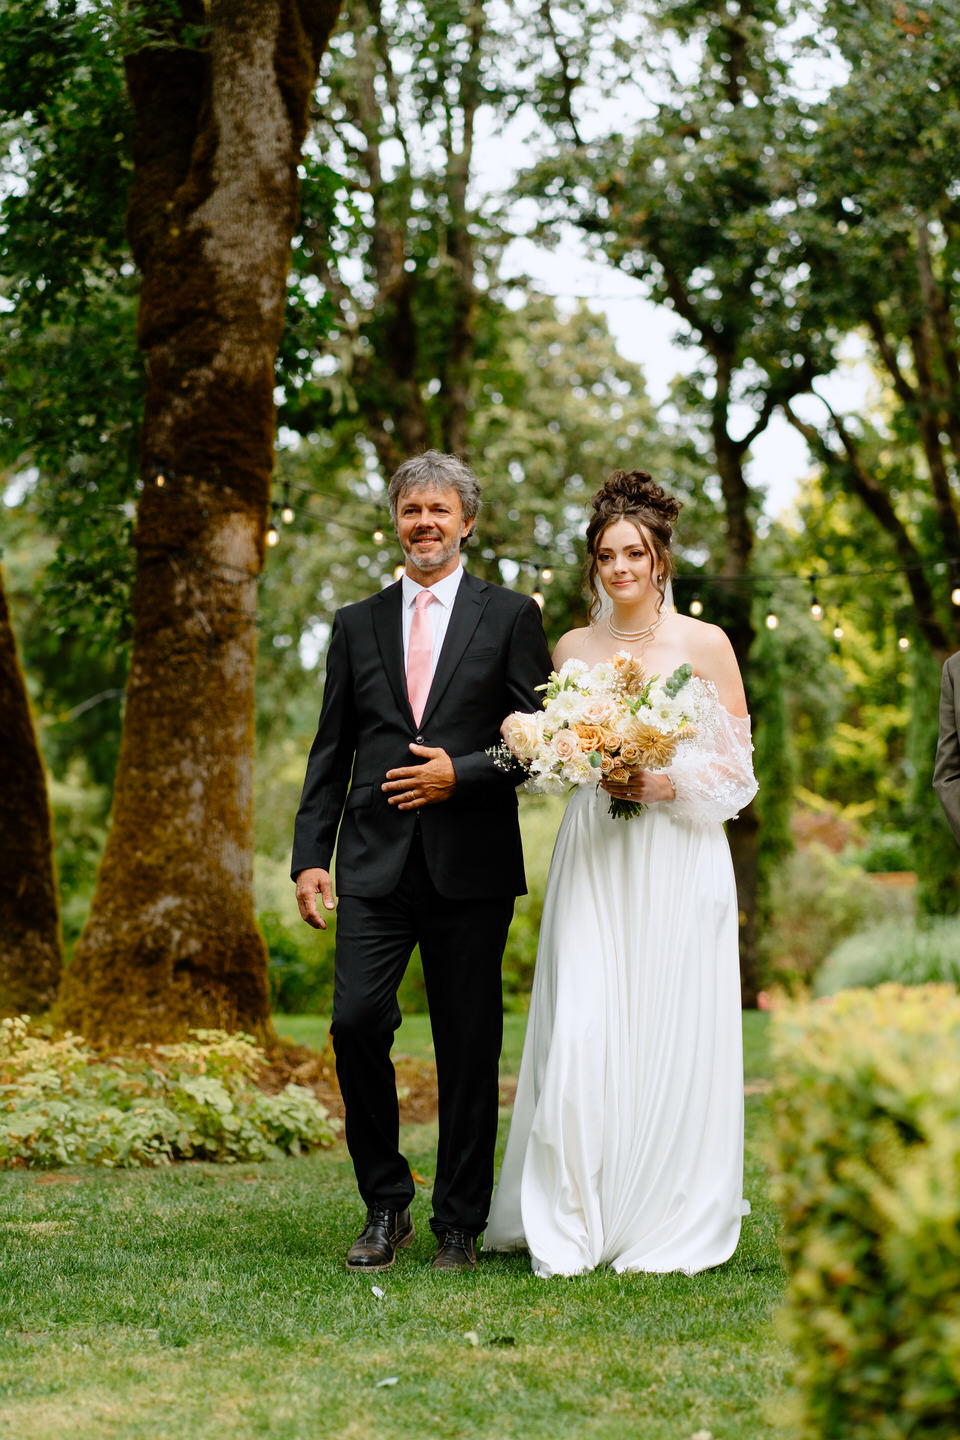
(435, 471)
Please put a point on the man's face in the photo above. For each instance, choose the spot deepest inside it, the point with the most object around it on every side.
(430, 526)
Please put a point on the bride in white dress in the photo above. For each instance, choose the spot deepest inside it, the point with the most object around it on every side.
(626, 1145)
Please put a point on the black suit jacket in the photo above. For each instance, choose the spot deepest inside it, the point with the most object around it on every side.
(494, 656)
(946, 771)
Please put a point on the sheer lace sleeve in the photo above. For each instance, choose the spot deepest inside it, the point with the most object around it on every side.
(714, 775)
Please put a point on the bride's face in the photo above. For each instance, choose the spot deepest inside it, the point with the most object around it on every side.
(624, 563)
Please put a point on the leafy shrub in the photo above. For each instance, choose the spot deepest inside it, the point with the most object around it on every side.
(62, 1104)
(817, 899)
(896, 952)
(886, 851)
(867, 1172)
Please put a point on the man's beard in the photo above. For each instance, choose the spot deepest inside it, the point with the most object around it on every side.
(436, 559)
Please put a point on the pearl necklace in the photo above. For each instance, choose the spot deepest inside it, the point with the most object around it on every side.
(639, 636)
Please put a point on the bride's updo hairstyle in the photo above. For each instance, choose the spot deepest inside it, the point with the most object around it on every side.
(633, 495)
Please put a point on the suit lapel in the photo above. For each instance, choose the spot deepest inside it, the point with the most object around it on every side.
(467, 608)
(388, 629)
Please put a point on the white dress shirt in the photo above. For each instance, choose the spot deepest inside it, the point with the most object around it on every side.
(444, 593)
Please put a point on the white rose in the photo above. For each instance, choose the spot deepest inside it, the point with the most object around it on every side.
(597, 710)
(524, 734)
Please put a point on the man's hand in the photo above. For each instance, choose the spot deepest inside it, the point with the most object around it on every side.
(647, 786)
(412, 786)
(310, 883)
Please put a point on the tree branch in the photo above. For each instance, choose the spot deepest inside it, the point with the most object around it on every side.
(860, 482)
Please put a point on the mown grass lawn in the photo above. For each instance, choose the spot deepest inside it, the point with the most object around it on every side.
(206, 1301)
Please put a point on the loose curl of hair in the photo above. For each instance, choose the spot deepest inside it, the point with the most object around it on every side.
(635, 496)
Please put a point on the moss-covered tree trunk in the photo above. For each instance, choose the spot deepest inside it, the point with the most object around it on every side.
(31, 956)
(30, 952)
(172, 941)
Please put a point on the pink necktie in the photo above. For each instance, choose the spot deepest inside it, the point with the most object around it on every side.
(420, 656)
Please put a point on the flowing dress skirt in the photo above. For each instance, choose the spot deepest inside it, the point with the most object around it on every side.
(626, 1145)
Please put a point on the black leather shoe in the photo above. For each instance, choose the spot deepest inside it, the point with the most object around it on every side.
(456, 1251)
(386, 1230)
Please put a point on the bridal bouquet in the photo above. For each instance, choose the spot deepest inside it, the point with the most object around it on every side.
(609, 721)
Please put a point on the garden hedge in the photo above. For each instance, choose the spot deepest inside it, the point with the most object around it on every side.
(867, 1173)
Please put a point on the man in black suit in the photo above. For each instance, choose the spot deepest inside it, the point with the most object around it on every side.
(419, 678)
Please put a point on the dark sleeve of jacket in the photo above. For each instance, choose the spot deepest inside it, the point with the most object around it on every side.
(330, 763)
(528, 665)
(946, 771)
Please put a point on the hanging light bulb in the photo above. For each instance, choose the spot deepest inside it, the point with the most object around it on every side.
(838, 631)
(160, 480)
(816, 609)
(547, 575)
(273, 534)
(378, 536)
(903, 642)
(955, 594)
(696, 606)
(397, 571)
(771, 621)
(538, 598)
(286, 514)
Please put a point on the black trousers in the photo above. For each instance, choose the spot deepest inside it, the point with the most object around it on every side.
(461, 946)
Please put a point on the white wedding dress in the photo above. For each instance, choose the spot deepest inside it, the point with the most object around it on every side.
(626, 1145)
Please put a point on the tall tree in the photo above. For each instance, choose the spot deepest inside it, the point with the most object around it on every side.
(30, 950)
(879, 220)
(690, 203)
(220, 97)
(395, 234)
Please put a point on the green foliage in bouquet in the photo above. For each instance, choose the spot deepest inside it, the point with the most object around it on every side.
(867, 1172)
(62, 1104)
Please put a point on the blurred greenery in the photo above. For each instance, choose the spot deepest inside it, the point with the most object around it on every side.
(895, 951)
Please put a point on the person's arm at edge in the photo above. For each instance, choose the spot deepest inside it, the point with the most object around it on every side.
(325, 784)
(946, 770)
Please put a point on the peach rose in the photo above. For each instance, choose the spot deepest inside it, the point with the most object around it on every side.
(631, 755)
(612, 740)
(619, 775)
(591, 736)
(566, 744)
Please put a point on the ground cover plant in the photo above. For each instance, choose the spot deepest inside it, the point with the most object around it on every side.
(63, 1103)
(211, 1300)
